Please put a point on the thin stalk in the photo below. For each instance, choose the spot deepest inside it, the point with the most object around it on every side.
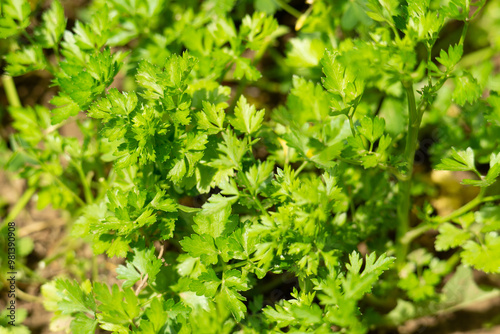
(23, 295)
(28, 37)
(261, 207)
(144, 282)
(464, 32)
(11, 91)
(86, 187)
(56, 52)
(301, 167)
(429, 61)
(351, 125)
(467, 207)
(239, 91)
(403, 210)
(224, 72)
(19, 206)
(452, 262)
(255, 197)
(77, 198)
(416, 232)
(231, 266)
(289, 9)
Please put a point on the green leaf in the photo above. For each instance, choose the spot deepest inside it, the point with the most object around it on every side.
(201, 246)
(114, 105)
(459, 161)
(159, 83)
(118, 308)
(213, 222)
(305, 52)
(247, 119)
(232, 283)
(49, 33)
(145, 260)
(489, 218)
(129, 274)
(357, 284)
(211, 118)
(25, 60)
(73, 298)
(341, 82)
(217, 203)
(15, 17)
(307, 102)
(83, 324)
(494, 170)
(372, 129)
(163, 203)
(451, 58)
(95, 34)
(258, 29)
(232, 150)
(244, 68)
(485, 256)
(467, 89)
(450, 237)
(206, 284)
(157, 314)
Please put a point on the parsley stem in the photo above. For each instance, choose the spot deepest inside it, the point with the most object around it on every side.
(19, 206)
(224, 72)
(464, 32)
(261, 207)
(239, 91)
(403, 209)
(289, 9)
(76, 197)
(351, 125)
(23, 295)
(416, 232)
(301, 167)
(11, 91)
(463, 209)
(86, 187)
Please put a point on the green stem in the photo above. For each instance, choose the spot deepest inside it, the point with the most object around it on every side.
(261, 207)
(466, 208)
(429, 61)
(255, 197)
(86, 187)
(289, 9)
(28, 37)
(232, 266)
(239, 91)
(416, 232)
(77, 198)
(301, 167)
(351, 125)
(224, 72)
(11, 91)
(403, 210)
(56, 52)
(464, 32)
(452, 262)
(21, 203)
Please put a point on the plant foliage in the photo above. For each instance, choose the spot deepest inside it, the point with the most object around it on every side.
(214, 199)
